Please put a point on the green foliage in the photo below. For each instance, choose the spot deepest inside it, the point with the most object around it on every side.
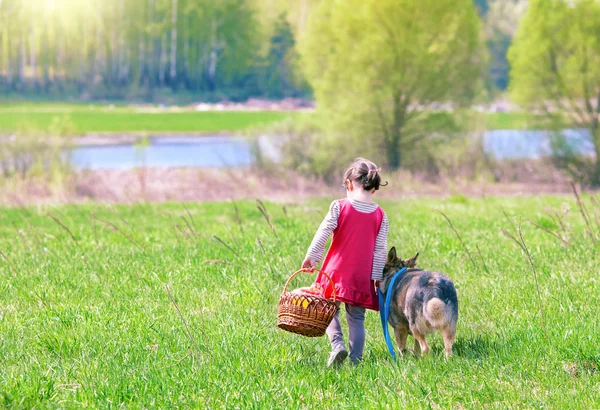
(30, 152)
(279, 81)
(307, 145)
(555, 60)
(86, 321)
(501, 23)
(124, 48)
(277, 74)
(374, 65)
(293, 139)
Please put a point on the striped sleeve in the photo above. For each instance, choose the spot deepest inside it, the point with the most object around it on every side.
(380, 253)
(317, 246)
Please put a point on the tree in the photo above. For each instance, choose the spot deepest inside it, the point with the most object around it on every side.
(376, 64)
(555, 60)
(279, 81)
(232, 42)
(501, 24)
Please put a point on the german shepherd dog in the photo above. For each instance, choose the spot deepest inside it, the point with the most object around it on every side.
(422, 302)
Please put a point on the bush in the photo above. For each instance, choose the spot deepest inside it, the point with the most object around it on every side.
(305, 144)
(31, 152)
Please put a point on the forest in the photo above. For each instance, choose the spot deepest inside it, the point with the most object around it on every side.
(202, 49)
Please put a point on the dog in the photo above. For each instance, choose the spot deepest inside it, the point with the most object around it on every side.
(422, 302)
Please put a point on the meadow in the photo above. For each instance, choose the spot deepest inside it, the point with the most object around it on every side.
(87, 319)
(92, 118)
(111, 119)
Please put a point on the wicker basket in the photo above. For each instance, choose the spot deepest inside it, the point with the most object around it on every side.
(305, 314)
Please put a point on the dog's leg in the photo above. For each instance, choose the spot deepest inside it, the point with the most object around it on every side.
(416, 347)
(401, 333)
(448, 334)
(420, 338)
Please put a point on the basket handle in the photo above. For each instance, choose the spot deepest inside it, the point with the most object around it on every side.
(307, 270)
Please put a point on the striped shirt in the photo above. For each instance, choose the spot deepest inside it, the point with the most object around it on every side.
(317, 246)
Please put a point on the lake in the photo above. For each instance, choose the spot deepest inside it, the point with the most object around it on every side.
(229, 151)
(531, 144)
(166, 152)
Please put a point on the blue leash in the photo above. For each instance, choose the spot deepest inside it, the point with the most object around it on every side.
(384, 310)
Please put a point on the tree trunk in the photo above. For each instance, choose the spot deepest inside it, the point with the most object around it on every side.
(394, 154)
(84, 68)
(45, 63)
(59, 70)
(98, 64)
(162, 64)
(121, 70)
(212, 69)
(33, 61)
(142, 59)
(112, 52)
(186, 63)
(9, 79)
(1, 51)
(124, 70)
(173, 64)
(22, 57)
(151, 52)
(393, 150)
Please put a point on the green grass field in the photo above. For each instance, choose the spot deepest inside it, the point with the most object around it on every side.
(121, 119)
(96, 118)
(86, 321)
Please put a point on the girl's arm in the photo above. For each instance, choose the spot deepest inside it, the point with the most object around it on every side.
(380, 253)
(317, 246)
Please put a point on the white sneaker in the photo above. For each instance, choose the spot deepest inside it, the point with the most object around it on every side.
(337, 357)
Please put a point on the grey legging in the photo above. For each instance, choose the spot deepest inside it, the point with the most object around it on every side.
(355, 316)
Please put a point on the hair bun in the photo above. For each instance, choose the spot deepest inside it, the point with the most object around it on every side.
(365, 173)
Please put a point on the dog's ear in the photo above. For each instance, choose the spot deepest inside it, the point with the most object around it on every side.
(412, 262)
(392, 255)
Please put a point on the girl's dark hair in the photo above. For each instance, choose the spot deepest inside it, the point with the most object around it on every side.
(365, 173)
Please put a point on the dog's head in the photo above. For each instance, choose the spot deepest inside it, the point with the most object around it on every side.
(394, 264)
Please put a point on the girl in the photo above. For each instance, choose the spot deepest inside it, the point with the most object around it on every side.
(356, 257)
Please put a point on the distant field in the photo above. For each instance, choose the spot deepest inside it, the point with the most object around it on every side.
(122, 119)
(510, 120)
(94, 118)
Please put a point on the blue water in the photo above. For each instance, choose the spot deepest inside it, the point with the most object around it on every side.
(166, 152)
(224, 151)
(523, 144)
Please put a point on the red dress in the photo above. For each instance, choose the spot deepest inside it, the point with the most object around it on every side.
(349, 261)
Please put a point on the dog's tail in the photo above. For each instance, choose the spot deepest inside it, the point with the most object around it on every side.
(438, 313)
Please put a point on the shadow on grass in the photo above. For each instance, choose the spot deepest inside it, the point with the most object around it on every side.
(475, 348)
(481, 346)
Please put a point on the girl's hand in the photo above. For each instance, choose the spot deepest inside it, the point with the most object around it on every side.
(309, 264)
(376, 286)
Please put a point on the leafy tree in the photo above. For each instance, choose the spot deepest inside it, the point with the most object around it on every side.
(375, 64)
(501, 24)
(555, 60)
(279, 67)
